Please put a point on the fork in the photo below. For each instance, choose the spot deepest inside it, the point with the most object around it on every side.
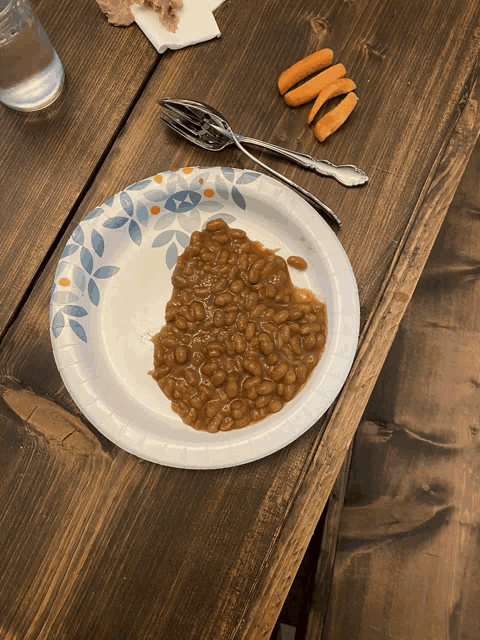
(190, 124)
(202, 124)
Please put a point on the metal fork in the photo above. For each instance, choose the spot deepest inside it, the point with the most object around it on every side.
(207, 128)
(347, 174)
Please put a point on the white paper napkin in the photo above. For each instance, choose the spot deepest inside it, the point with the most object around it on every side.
(196, 24)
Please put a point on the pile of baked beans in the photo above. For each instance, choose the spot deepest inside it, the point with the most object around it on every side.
(239, 340)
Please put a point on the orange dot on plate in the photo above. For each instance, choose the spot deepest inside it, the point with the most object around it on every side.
(187, 170)
(154, 210)
(158, 179)
(209, 193)
(201, 181)
(64, 282)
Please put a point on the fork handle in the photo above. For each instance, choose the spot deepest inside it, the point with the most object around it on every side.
(315, 202)
(347, 174)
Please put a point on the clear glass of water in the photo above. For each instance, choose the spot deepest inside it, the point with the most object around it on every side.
(31, 74)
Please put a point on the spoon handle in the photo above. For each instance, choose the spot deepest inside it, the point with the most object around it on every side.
(315, 202)
(346, 174)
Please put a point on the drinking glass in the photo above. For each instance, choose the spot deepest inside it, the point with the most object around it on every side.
(31, 74)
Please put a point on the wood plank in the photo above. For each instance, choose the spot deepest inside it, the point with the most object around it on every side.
(407, 563)
(323, 564)
(324, 468)
(48, 157)
(130, 549)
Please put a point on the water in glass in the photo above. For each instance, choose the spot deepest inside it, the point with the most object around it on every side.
(31, 74)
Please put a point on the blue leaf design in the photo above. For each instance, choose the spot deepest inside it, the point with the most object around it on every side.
(238, 198)
(138, 186)
(191, 222)
(86, 259)
(224, 216)
(142, 214)
(61, 268)
(53, 288)
(77, 235)
(247, 177)
(94, 214)
(156, 195)
(115, 222)
(79, 277)
(162, 239)
(183, 201)
(97, 243)
(63, 297)
(109, 202)
(176, 182)
(78, 330)
(182, 238)
(69, 250)
(135, 232)
(106, 272)
(195, 184)
(210, 205)
(93, 292)
(126, 202)
(74, 310)
(229, 173)
(58, 323)
(171, 255)
(221, 188)
(164, 221)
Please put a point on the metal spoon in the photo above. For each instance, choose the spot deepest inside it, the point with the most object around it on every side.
(213, 121)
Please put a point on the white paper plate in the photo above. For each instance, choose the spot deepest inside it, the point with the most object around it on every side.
(112, 284)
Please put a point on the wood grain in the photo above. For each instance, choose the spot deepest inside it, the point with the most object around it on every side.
(407, 563)
(48, 157)
(316, 608)
(122, 548)
(320, 605)
(326, 464)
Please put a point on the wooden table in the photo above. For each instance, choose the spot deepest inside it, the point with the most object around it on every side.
(405, 561)
(95, 542)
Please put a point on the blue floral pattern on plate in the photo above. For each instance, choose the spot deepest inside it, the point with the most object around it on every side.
(187, 198)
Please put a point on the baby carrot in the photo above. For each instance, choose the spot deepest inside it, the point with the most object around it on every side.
(303, 68)
(335, 118)
(344, 85)
(310, 89)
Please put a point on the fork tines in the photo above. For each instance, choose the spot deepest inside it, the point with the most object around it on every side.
(177, 126)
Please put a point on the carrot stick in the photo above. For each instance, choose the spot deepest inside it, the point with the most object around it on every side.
(344, 85)
(310, 89)
(303, 68)
(335, 118)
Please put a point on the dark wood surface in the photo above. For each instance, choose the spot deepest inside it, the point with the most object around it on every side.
(48, 158)
(407, 565)
(97, 543)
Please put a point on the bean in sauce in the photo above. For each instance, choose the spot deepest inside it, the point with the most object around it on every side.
(297, 262)
(239, 340)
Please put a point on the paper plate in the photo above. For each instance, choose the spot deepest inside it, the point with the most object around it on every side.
(114, 279)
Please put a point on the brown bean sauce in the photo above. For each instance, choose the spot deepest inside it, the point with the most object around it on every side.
(240, 340)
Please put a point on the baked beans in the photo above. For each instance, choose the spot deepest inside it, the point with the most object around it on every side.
(239, 340)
